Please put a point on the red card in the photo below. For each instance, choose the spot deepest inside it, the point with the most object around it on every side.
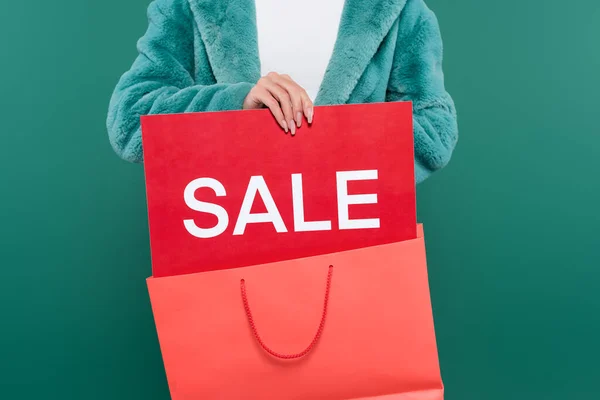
(231, 189)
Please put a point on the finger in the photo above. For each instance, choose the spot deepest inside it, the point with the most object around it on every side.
(272, 104)
(295, 91)
(307, 104)
(300, 101)
(309, 108)
(283, 97)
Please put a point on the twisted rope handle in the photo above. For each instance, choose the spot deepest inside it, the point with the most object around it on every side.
(317, 335)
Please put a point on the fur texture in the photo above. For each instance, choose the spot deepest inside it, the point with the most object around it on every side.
(202, 55)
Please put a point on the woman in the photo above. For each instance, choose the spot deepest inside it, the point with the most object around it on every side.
(206, 55)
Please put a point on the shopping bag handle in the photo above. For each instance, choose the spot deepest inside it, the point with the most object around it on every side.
(317, 335)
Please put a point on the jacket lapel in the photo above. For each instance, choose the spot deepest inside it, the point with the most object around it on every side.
(228, 29)
(363, 26)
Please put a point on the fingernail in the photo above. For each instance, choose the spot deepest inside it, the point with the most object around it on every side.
(299, 119)
(284, 126)
(310, 115)
(293, 128)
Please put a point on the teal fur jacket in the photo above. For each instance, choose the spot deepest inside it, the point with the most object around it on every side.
(202, 55)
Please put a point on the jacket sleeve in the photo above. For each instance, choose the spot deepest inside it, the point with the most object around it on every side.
(161, 80)
(417, 76)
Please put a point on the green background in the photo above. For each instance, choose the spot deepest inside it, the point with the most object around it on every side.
(512, 223)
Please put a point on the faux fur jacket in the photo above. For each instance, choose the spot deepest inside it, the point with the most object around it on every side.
(202, 55)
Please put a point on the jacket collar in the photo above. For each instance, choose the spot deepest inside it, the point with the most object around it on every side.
(228, 29)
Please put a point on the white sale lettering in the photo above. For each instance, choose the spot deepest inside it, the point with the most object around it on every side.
(257, 185)
(210, 208)
(345, 200)
(300, 225)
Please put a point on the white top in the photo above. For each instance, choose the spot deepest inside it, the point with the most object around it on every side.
(297, 38)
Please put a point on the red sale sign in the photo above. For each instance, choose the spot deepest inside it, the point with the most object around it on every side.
(231, 189)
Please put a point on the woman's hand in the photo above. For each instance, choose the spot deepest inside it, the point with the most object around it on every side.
(287, 101)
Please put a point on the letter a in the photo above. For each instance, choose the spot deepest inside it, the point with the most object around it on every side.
(258, 185)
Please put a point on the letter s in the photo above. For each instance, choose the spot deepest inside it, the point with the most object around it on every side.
(210, 208)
